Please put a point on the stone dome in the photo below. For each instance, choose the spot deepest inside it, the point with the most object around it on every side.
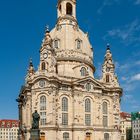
(72, 44)
(68, 36)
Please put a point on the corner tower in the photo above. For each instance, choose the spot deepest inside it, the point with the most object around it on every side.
(108, 70)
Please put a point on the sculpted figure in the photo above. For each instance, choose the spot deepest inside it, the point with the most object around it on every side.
(36, 118)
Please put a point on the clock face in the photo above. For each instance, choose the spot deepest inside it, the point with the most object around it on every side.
(42, 83)
(45, 55)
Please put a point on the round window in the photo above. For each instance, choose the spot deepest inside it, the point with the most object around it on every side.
(42, 83)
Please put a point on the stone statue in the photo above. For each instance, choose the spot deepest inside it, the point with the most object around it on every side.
(36, 118)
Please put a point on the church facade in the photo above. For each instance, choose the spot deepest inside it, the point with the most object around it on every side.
(71, 102)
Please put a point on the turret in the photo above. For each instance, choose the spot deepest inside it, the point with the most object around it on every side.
(108, 69)
(47, 54)
(31, 70)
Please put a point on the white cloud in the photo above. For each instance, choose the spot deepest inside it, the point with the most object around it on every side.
(137, 2)
(137, 62)
(128, 34)
(129, 99)
(128, 87)
(130, 65)
(128, 74)
(136, 77)
(107, 3)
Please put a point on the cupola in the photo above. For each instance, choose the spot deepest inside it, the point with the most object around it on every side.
(66, 9)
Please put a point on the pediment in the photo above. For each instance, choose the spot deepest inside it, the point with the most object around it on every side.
(89, 79)
(43, 81)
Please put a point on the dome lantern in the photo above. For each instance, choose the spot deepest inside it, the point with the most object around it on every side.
(66, 9)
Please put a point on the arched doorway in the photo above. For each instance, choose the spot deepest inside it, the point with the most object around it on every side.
(88, 136)
(42, 136)
(106, 136)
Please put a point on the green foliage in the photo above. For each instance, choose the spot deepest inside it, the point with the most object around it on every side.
(129, 134)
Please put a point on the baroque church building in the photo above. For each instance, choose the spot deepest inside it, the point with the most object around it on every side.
(72, 104)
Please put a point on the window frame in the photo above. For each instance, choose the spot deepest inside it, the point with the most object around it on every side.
(106, 136)
(107, 78)
(43, 110)
(65, 136)
(83, 71)
(78, 44)
(87, 111)
(56, 43)
(64, 104)
(43, 66)
(69, 9)
(105, 113)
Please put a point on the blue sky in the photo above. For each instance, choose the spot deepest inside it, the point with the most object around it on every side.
(22, 26)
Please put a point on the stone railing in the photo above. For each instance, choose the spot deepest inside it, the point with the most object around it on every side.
(72, 55)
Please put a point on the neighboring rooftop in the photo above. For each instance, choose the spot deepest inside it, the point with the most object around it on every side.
(9, 123)
(125, 115)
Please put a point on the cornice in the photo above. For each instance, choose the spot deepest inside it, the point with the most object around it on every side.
(81, 60)
(61, 20)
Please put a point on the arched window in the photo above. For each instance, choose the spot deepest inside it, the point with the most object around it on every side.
(42, 110)
(88, 136)
(43, 66)
(105, 108)
(107, 79)
(69, 9)
(106, 136)
(42, 136)
(56, 43)
(60, 8)
(78, 44)
(105, 114)
(87, 112)
(65, 136)
(83, 71)
(64, 104)
(64, 111)
(87, 105)
(42, 103)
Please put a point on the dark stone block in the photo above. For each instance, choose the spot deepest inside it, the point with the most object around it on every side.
(35, 134)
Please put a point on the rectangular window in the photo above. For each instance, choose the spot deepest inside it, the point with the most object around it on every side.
(66, 136)
(87, 119)
(64, 118)
(42, 118)
(56, 44)
(105, 121)
(78, 44)
(42, 106)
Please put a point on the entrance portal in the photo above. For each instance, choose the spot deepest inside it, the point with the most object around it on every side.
(88, 136)
(42, 136)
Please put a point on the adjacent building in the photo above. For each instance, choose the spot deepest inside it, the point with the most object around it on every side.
(72, 103)
(125, 126)
(9, 129)
(135, 125)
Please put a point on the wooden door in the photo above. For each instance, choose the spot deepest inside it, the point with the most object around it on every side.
(88, 138)
(42, 136)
